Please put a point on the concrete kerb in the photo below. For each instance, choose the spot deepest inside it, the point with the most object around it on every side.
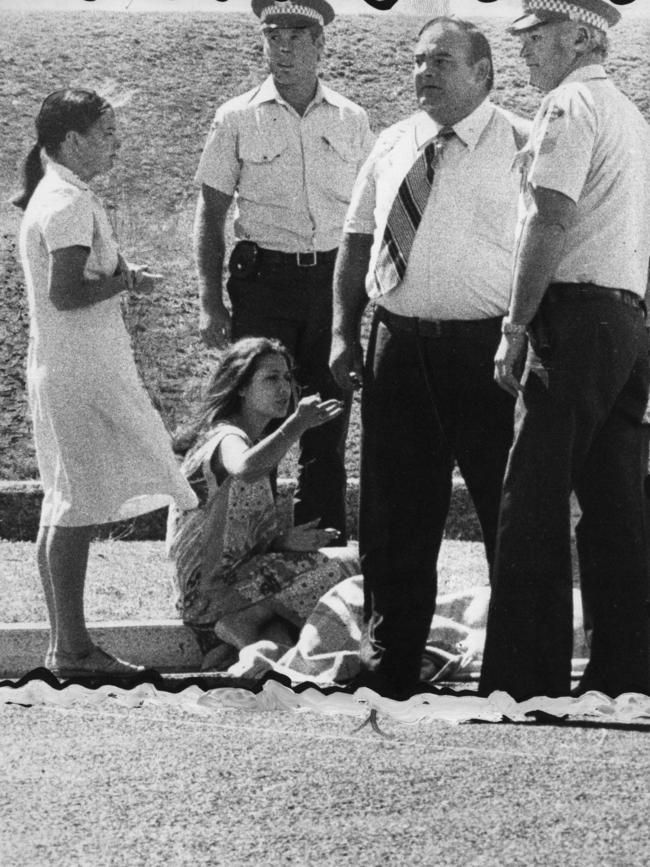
(164, 645)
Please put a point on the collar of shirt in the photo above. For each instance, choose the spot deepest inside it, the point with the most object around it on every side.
(268, 92)
(65, 173)
(468, 130)
(586, 73)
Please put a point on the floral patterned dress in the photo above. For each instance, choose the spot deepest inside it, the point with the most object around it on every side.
(224, 546)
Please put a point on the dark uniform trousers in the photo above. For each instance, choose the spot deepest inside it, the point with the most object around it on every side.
(429, 398)
(292, 302)
(578, 426)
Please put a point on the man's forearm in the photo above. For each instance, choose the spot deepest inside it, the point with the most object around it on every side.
(210, 248)
(538, 257)
(209, 253)
(539, 252)
(349, 287)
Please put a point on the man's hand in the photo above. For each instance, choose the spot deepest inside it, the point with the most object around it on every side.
(509, 362)
(215, 329)
(209, 251)
(349, 302)
(346, 362)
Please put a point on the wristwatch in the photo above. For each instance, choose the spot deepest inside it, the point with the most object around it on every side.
(509, 327)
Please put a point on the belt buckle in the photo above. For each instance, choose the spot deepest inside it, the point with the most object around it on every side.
(306, 260)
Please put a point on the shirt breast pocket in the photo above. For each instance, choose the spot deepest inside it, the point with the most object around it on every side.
(264, 168)
(339, 162)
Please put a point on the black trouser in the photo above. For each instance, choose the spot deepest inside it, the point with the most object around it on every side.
(579, 426)
(429, 398)
(293, 303)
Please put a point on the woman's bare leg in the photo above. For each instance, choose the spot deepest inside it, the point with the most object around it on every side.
(278, 631)
(241, 628)
(46, 580)
(66, 558)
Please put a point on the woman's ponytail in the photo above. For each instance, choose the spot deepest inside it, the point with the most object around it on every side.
(63, 111)
(32, 174)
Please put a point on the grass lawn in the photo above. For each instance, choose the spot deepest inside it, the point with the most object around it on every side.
(167, 73)
(102, 786)
(133, 580)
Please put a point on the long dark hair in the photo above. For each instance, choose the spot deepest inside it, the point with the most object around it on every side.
(236, 367)
(62, 112)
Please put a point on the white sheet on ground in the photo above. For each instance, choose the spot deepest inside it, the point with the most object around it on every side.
(328, 647)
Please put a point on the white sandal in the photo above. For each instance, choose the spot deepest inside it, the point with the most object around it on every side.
(96, 661)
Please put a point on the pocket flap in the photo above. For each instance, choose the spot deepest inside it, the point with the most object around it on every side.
(341, 145)
(262, 150)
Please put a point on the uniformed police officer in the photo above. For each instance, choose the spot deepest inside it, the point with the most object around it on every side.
(290, 149)
(580, 277)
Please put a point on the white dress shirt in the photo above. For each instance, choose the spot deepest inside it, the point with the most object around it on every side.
(460, 262)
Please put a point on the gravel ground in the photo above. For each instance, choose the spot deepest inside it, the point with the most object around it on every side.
(111, 786)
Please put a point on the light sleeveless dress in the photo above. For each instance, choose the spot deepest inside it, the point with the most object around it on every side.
(224, 545)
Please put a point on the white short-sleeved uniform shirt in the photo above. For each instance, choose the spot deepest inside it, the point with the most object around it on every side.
(103, 452)
(592, 144)
(292, 175)
(460, 263)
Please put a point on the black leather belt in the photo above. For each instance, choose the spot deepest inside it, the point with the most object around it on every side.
(431, 327)
(309, 259)
(563, 292)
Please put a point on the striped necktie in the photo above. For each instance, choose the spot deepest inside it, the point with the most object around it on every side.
(405, 215)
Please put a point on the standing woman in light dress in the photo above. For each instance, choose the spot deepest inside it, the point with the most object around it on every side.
(103, 452)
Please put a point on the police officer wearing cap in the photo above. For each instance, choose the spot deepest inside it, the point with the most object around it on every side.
(577, 304)
(290, 150)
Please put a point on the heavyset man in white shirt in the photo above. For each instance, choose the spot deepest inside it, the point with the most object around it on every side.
(428, 396)
(580, 276)
(289, 151)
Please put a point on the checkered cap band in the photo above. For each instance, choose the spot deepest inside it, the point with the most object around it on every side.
(575, 13)
(291, 9)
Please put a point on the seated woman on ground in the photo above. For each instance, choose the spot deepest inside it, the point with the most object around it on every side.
(240, 576)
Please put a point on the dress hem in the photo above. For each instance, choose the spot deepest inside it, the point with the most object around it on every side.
(131, 508)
